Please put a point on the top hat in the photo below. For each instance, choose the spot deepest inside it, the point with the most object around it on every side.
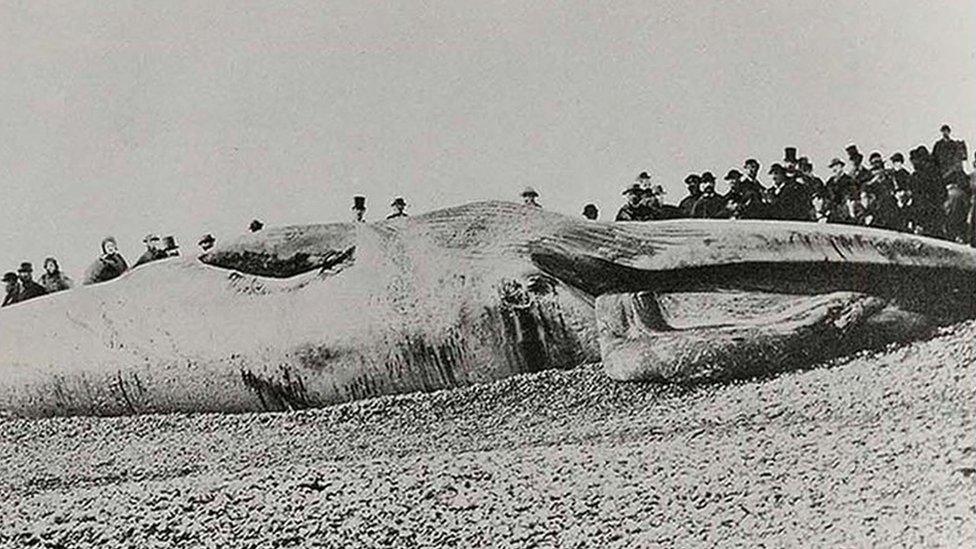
(852, 151)
(359, 202)
(789, 154)
(398, 201)
(25, 267)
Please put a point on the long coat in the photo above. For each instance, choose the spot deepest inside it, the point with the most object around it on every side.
(30, 289)
(106, 268)
(789, 202)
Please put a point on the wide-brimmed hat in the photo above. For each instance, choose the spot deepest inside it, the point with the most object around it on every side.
(25, 267)
(529, 191)
(398, 201)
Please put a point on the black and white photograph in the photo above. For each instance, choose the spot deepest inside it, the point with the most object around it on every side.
(359, 274)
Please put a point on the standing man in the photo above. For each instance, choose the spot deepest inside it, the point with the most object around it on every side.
(787, 200)
(948, 153)
(398, 205)
(529, 196)
(631, 210)
(359, 208)
(153, 251)
(28, 288)
(926, 181)
(791, 162)
(751, 180)
(12, 286)
(810, 182)
(693, 182)
(710, 205)
(840, 185)
(744, 199)
(858, 172)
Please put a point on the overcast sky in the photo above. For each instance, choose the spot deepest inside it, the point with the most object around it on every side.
(189, 117)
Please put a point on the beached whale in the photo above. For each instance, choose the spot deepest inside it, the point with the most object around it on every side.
(307, 316)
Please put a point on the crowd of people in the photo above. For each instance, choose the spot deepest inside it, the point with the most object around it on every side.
(935, 198)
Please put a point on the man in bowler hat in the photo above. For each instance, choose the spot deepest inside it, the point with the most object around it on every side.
(693, 183)
(28, 288)
(398, 205)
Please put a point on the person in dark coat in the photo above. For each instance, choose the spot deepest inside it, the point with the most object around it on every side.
(787, 199)
(914, 216)
(591, 212)
(632, 211)
(154, 251)
(948, 153)
(751, 176)
(840, 185)
(53, 279)
(12, 287)
(693, 182)
(900, 177)
(28, 288)
(710, 205)
(926, 181)
(807, 178)
(109, 265)
(398, 205)
(652, 209)
(850, 212)
(744, 199)
(857, 171)
(877, 213)
(881, 180)
(822, 210)
(956, 213)
(207, 242)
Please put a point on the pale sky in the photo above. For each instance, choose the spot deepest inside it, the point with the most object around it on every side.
(182, 118)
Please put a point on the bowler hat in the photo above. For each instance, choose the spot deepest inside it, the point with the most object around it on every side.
(529, 191)
(897, 157)
(777, 168)
(643, 175)
(634, 189)
(398, 201)
(25, 267)
(835, 162)
(707, 176)
(875, 155)
(945, 128)
(10, 277)
(359, 202)
(692, 179)
(751, 162)
(206, 239)
(852, 151)
(789, 154)
(733, 175)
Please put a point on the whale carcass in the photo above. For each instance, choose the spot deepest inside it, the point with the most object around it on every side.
(307, 316)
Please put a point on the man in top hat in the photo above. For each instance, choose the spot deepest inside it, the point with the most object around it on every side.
(206, 242)
(710, 205)
(529, 196)
(359, 208)
(948, 153)
(787, 198)
(590, 212)
(153, 251)
(791, 162)
(840, 185)
(28, 288)
(632, 210)
(12, 287)
(857, 171)
(398, 205)
(255, 226)
(693, 183)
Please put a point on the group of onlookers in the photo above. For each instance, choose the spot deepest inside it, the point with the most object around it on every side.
(935, 198)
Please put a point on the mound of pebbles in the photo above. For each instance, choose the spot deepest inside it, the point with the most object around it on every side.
(875, 449)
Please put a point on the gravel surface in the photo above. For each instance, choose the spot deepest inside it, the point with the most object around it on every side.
(876, 449)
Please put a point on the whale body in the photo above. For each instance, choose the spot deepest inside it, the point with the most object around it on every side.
(307, 316)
